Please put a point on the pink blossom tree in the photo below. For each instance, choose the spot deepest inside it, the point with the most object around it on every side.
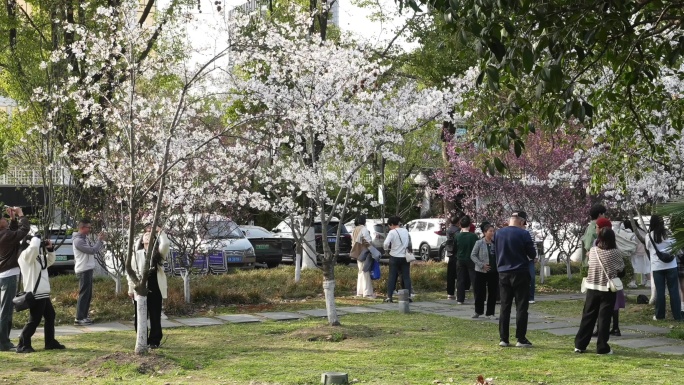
(559, 208)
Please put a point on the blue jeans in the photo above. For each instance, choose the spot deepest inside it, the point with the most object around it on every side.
(8, 286)
(396, 265)
(532, 280)
(669, 277)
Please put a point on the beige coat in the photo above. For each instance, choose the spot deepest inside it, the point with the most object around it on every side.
(359, 241)
(138, 265)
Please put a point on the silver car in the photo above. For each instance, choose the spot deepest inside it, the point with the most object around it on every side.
(218, 242)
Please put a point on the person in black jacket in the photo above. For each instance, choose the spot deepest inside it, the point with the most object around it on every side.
(450, 252)
(11, 234)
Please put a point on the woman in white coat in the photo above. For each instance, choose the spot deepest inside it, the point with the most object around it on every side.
(156, 283)
(34, 267)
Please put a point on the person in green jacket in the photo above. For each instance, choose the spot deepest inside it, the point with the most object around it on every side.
(464, 241)
(595, 212)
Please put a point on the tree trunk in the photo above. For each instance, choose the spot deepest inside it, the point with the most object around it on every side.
(298, 266)
(331, 309)
(542, 273)
(186, 285)
(117, 283)
(568, 266)
(141, 334)
(309, 249)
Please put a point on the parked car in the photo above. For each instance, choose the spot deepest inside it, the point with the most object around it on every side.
(378, 230)
(64, 252)
(427, 235)
(284, 229)
(218, 238)
(267, 247)
(442, 248)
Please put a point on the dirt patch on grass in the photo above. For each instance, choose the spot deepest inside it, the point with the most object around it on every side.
(146, 364)
(334, 333)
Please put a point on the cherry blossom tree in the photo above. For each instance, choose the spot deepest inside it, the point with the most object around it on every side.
(320, 110)
(559, 208)
(152, 122)
(645, 167)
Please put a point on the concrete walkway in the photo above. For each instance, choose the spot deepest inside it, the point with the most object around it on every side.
(648, 337)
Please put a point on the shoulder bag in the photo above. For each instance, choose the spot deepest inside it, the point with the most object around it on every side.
(614, 284)
(663, 256)
(408, 254)
(24, 300)
(375, 270)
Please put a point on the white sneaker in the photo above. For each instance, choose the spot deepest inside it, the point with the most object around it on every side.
(531, 302)
(632, 285)
(504, 344)
(648, 284)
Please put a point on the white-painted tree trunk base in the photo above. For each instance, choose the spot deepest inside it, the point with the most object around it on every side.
(141, 334)
(330, 308)
(309, 249)
(117, 284)
(298, 267)
(186, 285)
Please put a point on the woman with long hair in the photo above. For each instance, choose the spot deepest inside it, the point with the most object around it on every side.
(663, 273)
(605, 261)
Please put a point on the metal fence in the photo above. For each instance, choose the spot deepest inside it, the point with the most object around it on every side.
(18, 176)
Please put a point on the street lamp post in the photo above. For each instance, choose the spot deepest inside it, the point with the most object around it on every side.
(420, 181)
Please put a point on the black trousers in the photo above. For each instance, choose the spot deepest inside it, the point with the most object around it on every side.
(486, 287)
(451, 275)
(398, 265)
(466, 275)
(514, 285)
(42, 308)
(598, 305)
(154, 309)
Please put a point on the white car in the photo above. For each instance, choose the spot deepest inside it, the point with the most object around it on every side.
(427, 235)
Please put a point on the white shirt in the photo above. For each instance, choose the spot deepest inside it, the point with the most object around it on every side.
(10, 273)
(656, 263)
(364, 234)
(399, 240)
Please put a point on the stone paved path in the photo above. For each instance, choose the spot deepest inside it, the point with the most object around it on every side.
(648, 337)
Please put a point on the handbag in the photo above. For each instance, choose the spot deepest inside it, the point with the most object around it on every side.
(408, 254)
(24, 300)
(614, 284)
(375, 270)
(663, 256)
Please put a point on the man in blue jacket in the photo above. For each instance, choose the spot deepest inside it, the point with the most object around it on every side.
(514, 251)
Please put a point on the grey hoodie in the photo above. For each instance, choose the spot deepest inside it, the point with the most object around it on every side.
(84, 252)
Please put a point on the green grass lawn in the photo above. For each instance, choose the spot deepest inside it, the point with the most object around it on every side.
(387, 348)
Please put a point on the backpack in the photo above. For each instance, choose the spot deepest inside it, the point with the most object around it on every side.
(642, 299)
(626, 242)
